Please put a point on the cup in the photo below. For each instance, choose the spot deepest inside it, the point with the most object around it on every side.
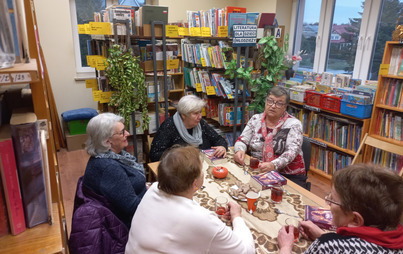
(221, 207)
(254, 163)
(251, 198)
(277, 193)
(295, 223)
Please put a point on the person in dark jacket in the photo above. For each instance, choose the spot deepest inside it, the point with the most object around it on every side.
(111, 171)
(187, 127)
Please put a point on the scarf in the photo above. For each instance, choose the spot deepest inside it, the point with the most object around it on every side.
(388, 239)
(195, 139)
(123, 157)
(268, 154)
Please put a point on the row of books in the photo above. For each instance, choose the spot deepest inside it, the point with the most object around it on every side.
(226, 114)
(222, 87)
(386, 159)
(23, 175)
(389, 124)
(392, 94)
(328, 161)
(338, 131)
(206, 55)
(146, 51)
(161, 87)
(396, 62)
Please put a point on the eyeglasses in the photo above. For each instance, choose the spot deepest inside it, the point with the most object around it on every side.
(122, 133)
(329, 201)
(278, 104)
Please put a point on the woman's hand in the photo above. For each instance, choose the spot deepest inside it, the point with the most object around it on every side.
(309, 230)
(234, 210)
(285, 240)
(266, 166)
(240, 157)
(220, 151)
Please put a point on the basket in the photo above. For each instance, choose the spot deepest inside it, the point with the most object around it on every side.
(331, 103)
(313, 98)
(397, 34)
(356, 110)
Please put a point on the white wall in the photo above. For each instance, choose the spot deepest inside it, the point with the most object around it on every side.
(55, 33)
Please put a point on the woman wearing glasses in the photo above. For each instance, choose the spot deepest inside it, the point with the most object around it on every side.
(111, 171)
(366, 202)
(275, 138)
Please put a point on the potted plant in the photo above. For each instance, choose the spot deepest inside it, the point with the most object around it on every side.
(272, 57)
(126, 77)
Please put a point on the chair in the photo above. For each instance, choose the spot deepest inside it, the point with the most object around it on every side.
(306, 150)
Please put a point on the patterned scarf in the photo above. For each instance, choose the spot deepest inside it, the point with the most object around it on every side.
(268, 154)
(195, 139)
(123, 157)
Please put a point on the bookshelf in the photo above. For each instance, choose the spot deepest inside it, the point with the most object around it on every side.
(385, 132)
(335, 137)
(44, 237)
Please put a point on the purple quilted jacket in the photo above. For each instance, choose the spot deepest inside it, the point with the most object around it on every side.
(94, 227)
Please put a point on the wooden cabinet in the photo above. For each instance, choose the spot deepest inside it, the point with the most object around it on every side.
(43, 238)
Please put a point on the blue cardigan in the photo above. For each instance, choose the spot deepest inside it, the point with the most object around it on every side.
(121, 185)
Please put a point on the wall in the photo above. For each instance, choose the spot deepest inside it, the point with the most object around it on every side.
(55, 34)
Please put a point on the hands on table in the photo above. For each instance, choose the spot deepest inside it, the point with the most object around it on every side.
(307, 229)
(239, 157)
(220, 151)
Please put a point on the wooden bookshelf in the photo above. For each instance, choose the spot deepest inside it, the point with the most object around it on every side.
(20, 73)
(386, 140)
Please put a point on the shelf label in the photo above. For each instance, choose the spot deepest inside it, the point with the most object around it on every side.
(97, 95)
(21, 77)
(195, 31)
(171, 31)
(311, 108)
(172, 64)
(4, 78)
(199, 87)
(81, 28)
(205, 31)
(384, 69)
(203, 61)
(222, 31)
(210, 90)
(100, 63)
(183, 31)
(100, 28)
(105, 97)
(204, 111)
(87, 28)
(91, 83)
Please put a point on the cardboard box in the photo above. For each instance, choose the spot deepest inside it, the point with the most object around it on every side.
(147, 30)
(75, 142)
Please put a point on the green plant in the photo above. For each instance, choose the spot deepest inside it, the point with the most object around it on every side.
(126, 77)
(273, 63)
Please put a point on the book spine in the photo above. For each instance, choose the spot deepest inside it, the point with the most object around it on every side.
(30, 171)
(11, 187)
(4, 229)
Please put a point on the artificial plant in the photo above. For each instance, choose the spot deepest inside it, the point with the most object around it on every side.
(272, 60)
(126, 77)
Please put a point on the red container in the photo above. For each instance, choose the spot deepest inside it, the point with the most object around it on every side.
(331, 103)
(313, 98)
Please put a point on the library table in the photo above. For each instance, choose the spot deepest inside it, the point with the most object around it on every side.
(264, 223)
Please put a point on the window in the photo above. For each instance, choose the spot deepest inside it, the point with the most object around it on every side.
(345, 36)
(82, 11)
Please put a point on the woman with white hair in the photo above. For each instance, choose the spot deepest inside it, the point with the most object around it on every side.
(111, 171)
(187, 127)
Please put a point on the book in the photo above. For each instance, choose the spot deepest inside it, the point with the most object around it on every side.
(11, 187)
(28, 153)
(266, 19)
(320, 216)
(211, 159)
(266, 180)
(235, 19)
(4, 229)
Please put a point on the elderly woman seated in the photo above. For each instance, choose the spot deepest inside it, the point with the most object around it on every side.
(366, 202)
(187, 127)
(169, 221)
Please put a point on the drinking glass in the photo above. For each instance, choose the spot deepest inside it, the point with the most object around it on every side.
(295, 223)
(221, 207)
(251, 198)
(254, 163)
(277, 193)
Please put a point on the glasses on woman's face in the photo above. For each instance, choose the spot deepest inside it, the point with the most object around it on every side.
(277, 104)
(330, 201)
(122, 133)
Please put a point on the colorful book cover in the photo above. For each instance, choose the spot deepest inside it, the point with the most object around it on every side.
(11, 187)
(235, 19)
(320, 216)
(267, 180)
(266, 19)
(208, 155)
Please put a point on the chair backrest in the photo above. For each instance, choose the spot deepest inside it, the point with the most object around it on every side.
(306, 150)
